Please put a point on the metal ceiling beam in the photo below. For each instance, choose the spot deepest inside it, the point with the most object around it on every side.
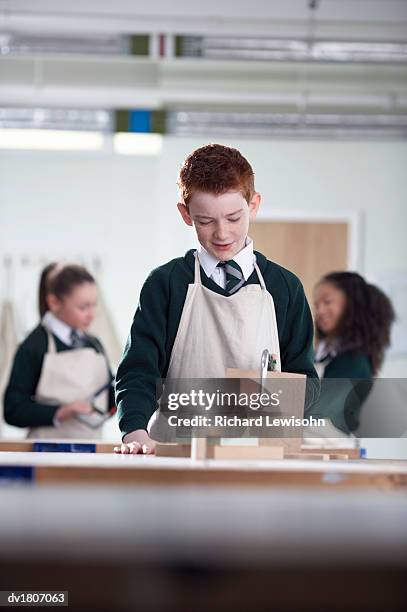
(332, 19)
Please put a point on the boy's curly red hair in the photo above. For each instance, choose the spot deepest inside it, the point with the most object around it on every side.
(215, 169)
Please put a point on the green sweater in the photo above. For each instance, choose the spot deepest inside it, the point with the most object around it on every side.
(347, 381)
(19, 407)
(148, 349)
(349, 365)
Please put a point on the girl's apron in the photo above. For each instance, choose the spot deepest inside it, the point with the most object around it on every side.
(67, 376)
(217, 332)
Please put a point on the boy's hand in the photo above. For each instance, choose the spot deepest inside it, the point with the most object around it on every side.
(136, 443)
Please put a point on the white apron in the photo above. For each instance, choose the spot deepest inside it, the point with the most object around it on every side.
(67, 376)
(217, 332)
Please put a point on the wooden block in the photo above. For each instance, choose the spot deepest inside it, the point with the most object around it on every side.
(216, 451)
(324, 455)
(105, 447)
(340, 456)
(172, 450)
(308, 456)
(290, 445)
(341, 453)
(248, 452)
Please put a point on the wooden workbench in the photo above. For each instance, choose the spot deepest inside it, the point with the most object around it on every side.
(43, 468)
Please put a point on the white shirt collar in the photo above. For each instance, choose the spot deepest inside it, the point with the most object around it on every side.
(59, 328)
(324, 350)
(245, 258)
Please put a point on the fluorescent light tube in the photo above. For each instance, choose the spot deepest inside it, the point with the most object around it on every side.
(51, 140)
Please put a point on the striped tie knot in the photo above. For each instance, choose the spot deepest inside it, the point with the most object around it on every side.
(234, 275)
(77, 340)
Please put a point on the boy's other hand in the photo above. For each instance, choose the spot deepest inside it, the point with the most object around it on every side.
(67, 411)
(136, 443)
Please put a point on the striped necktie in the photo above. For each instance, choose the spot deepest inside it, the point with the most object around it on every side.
(77, 340)
(234, 275)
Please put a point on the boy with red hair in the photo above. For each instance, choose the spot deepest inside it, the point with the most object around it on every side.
(216, 307)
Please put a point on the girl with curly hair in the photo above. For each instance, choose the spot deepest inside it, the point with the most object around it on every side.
(352, 323)
(353, 320)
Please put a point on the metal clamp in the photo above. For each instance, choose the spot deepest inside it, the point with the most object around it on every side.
(267, 364)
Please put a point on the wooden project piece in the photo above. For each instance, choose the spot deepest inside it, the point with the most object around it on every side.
(216, 451)
(290, 444)
(172, 450)
(248, 452)
(255, 452)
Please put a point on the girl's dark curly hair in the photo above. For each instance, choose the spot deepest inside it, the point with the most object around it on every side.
(365, 324)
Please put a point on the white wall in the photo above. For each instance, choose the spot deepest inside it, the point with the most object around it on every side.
(123, 208)
(318, 176)
(76, 204)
